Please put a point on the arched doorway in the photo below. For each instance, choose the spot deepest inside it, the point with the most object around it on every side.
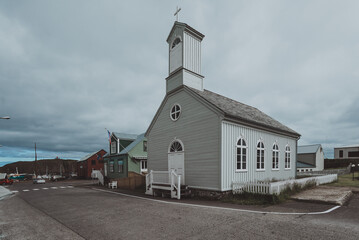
(176, 158)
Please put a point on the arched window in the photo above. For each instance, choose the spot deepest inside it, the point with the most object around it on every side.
(241, 155)
(176, 146)
(176, 42)
(287, 157)
(260, 155)
(275, 157)
(175, 112)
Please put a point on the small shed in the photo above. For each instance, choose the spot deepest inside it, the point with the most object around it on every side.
(310, 158)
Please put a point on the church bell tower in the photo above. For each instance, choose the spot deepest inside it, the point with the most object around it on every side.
(184, 48)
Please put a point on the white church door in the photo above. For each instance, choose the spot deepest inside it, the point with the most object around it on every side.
(176, 159)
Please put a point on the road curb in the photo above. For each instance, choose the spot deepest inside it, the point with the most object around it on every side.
(4, 192)
(217, 207)
(341, 201)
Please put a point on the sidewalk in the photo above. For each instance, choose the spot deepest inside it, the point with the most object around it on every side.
(4, 192)
(325, 194)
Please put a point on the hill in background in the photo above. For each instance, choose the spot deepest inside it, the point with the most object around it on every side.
(53, 166)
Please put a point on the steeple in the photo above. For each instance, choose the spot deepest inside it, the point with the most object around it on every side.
(184, 47)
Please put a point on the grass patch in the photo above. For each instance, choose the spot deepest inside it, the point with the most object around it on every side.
(346, 180)
(247, 198)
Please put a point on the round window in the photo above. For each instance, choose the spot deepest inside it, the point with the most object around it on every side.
(175, 112)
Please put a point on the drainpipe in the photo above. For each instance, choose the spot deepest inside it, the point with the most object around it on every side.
(296, 155)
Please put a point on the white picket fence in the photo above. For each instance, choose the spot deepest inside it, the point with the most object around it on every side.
(277, 187)
(253, 187)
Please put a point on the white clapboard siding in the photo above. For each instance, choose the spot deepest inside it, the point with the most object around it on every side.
(199, 129)
(192, 53)
(231, 133)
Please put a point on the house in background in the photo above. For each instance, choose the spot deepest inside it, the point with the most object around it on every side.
(310, 158)
(92, 161)
(347, 152)
(128, 153)
(209, 140)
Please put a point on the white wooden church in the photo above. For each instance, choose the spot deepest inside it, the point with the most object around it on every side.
(208, 140)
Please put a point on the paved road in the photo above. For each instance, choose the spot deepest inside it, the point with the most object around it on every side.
(72, 211)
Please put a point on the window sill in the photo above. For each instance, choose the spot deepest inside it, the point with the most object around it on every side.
(241, 171)
(286, 169)
(275, 169)
(260, 170)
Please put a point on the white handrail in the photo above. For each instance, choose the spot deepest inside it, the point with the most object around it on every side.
(179, 187)
(164, 177)
(98, 174)
(149, 181)
(174, 177)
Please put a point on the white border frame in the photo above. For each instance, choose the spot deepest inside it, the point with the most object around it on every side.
(285, 157)
(178, 36)
(264, 160)
(175, 140)
(278, 151)
(180, 112)
(236, 147)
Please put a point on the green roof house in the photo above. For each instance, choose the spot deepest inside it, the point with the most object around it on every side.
(128, 153)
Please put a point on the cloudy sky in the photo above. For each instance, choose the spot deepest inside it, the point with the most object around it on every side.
(70, 69)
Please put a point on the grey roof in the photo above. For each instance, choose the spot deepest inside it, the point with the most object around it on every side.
(304, 165)
(184, 25)
(240, 111)
(125, 136)
(348, 146)
(308, 149)
(133, 144)
(89, 155)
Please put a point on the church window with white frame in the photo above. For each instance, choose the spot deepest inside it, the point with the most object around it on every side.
(143, 166)
(175, 112)
(287, 157)
(113, 147)
(275, 157)
(111, 166)
(120, 166)
(260, 155)
(176, 146)
(176, 42)
(241, 155)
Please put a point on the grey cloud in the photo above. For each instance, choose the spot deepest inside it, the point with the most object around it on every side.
(68, 70)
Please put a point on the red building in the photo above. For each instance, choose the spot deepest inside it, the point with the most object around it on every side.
(92, 161)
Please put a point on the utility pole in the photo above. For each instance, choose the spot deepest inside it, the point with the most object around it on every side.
(35, 161)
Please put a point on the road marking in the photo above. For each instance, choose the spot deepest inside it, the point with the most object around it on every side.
(53, 187)
(45, 188)
(70, 186)
(25, 190)
(220, 208)
(36, 189)
(62, 187)
(15, 191)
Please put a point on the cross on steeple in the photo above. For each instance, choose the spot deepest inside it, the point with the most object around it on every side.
(177, 13)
